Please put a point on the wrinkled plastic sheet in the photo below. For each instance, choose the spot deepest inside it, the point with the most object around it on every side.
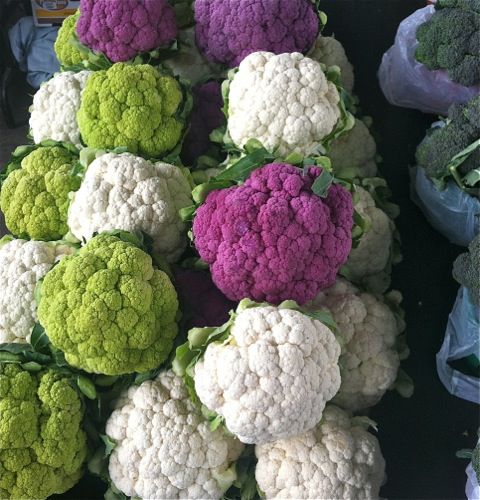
(451, 211)
(472, 488)
(407, 83)
(462, 338)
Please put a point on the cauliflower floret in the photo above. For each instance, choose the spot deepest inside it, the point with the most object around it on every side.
(123, 191)
(55, 106)
(22, 265)
(369, 359)
(329, 51)
(272, 378)
(339, 459)
(285, 101)
(165, 448)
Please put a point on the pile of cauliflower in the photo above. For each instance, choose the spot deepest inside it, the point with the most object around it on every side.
(193, 294)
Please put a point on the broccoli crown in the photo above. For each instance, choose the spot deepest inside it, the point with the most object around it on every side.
(34, 197)
(66, 52)
(450, 40)
(466, 269)
(109, 309)
(131, 106)
(441, 144)
(42, 444)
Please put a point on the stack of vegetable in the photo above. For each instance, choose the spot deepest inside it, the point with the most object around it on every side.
(193, 299)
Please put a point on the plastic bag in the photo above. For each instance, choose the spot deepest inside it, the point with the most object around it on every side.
(462, 338)
(452, 212)
(472, 488)
(407, 83)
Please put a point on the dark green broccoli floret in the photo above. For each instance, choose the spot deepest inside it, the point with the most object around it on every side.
(442, 144)
(466, 269)
(450, 40)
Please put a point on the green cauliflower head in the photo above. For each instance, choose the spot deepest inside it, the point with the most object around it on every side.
(34, 198)
(108, 309)
(66, 52)
(134, 107)
(42, 444)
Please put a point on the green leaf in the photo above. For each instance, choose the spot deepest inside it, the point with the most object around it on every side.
(39, 339)
(109, 444)
(86, 386)
(472, 178)
(200, 193)
(241, 170)
(322, 184)
(6, 239)
(32, 366)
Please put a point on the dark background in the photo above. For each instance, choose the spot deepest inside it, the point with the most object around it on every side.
(419, 436)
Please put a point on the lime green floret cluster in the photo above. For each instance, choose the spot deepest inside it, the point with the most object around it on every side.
(42, 444)
(67, 53)
(108, 309)
(34, 198)
(131, 106)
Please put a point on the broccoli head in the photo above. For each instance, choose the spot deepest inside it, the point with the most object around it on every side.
(109, 309)
(466, 269)
(34, 196)
(42, 444)
(450, 40)
(441, 144)
(66, 52)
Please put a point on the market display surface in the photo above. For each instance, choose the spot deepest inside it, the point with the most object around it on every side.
(196, 293)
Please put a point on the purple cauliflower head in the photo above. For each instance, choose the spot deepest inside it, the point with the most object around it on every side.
(206, 116)
(123, 29)
(272, 238)
(227, 31)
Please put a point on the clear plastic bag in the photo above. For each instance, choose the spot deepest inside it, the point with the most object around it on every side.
(462, 338)
(409, 84)
(472, 488)
(452, 212)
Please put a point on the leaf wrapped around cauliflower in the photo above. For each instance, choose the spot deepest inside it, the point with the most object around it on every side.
(67, 53)
(108, 309)
(133, 106)
(22, 265)
(165, 447)
(267, 373)
(338, 459)
(286, 102)
(42, 445)
(34, 196)
(227, 31)
(54, 109)
(372, 343)
(129, 193)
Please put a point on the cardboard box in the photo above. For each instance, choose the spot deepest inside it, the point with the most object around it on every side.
(52, 12)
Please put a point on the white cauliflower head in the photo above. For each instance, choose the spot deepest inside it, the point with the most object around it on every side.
(329, 51)
(123, 191)
(165, 448)
(285, 101)
(271, 380)
(339, 459)
(370, 360)
(355, 149)
(22, 265)
(55, 105)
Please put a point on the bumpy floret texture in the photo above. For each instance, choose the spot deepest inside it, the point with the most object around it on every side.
(67, 54)
(369, 359)
(338, 459)
(355, 149)
(123, 191)
(55, 106)
(227, 31)
(206, 116)
(330, 52)
(272, 238)
(450, 40)
(131, 106)
(165, 448)
(441, 144)
(108, 309)
(22, 265)
(466, 269)
(273, 377)
(42, 444)
(34, 198)
(285, 101)
(122, 30)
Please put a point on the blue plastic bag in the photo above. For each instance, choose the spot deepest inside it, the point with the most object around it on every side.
(452, 212)
(462, 338)
(472, 488)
